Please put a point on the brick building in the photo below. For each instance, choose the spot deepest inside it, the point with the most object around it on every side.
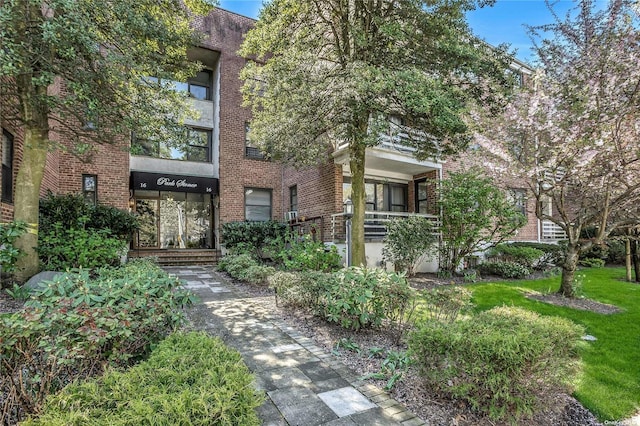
(183, 196)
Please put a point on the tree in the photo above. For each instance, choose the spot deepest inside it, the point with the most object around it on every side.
(475, 215)
(329, 73)
(78, 68)
(573, 135)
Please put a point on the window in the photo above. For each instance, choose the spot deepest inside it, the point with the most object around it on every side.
(198, 86)
(196, 148)
(90, 188)
(380, 196)
(422, 196)
(519, 199)
(7, 166)
(257, 204)
(251, 151)
(293, 198)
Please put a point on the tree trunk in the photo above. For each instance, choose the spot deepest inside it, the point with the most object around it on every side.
(356, 163)
(636, 260)
(569, 267)
(627, 257)
(27, 198)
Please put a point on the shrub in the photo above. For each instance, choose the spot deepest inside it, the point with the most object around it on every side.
(305, 254)
(525, 256)
(75, 326)
(299, 289)
(360, 297)
(408, 242)
(498, 360)
(244, 267)
(75, 234)
(447, 303)
(62, 248)
(72, 211)
(251, 237)
(617, 252)
(9, 254)
(592, 262)
(553, 253)
(505, 269)
(188, 379)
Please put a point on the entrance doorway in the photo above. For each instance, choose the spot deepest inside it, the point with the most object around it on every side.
(174, 220)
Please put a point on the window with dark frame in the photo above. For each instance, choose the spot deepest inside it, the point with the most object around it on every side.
(199, 86)
(422, 196)
(293, 198)
(90, 188)
(519, 199)
(257, 204)
(7, 166)
(380, 196)
(251, 151)
(197, 149)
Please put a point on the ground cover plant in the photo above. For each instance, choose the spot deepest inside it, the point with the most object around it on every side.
(608, 384)
(189, 379)
(78, 324)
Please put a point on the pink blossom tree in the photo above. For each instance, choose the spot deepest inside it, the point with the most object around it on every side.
(572, 134)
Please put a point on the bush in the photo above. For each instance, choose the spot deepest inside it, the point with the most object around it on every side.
(305, 254)
(9, 254)
(553, 253)
(504, 269)
(446, 304)
(360, 297)
(617, 252)
(299, 289)
(592, 262)
(75, 234)
(72, 211)
(251, 237)
(408, 242)
(188, 379)
(244, 267)
(75, 326)
(499, 360)
(525, 256)
(61, 248)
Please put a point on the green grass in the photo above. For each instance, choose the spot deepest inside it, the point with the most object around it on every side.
(609, 385)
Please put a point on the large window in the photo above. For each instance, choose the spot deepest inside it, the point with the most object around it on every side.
(380, 196)
(196, 148)
(198, 86)
(7, 166)
(257, 204)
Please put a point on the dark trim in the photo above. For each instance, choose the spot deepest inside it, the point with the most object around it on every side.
(175, 183)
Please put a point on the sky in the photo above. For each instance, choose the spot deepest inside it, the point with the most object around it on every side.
(502, 23)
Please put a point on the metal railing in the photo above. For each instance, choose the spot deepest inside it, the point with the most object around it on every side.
(374, 224)
(399, 142)
(552, 231)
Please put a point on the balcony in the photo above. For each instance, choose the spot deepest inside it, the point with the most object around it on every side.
(374, 224)
(551, 231)
(394, 155)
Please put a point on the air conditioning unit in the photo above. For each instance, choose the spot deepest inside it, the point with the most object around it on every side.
(291, 216)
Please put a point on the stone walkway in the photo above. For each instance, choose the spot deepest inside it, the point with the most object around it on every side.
(304, 385)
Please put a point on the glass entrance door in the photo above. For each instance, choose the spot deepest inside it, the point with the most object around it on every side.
(174, 220)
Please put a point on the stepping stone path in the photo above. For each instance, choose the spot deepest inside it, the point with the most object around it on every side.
(304, 385)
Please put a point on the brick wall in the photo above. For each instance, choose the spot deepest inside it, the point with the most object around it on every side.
(8, 122)
(319, 192)
(226, 30)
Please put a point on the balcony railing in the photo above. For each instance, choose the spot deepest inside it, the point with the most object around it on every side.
(552, 231)
(375, 224)
(398, 142)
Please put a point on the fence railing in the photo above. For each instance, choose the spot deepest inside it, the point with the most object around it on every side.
(552, 231)
(375, 224)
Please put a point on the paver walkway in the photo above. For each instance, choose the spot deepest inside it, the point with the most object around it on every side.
(304, 385)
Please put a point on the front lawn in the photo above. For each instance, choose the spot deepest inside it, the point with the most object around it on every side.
(610, 383)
